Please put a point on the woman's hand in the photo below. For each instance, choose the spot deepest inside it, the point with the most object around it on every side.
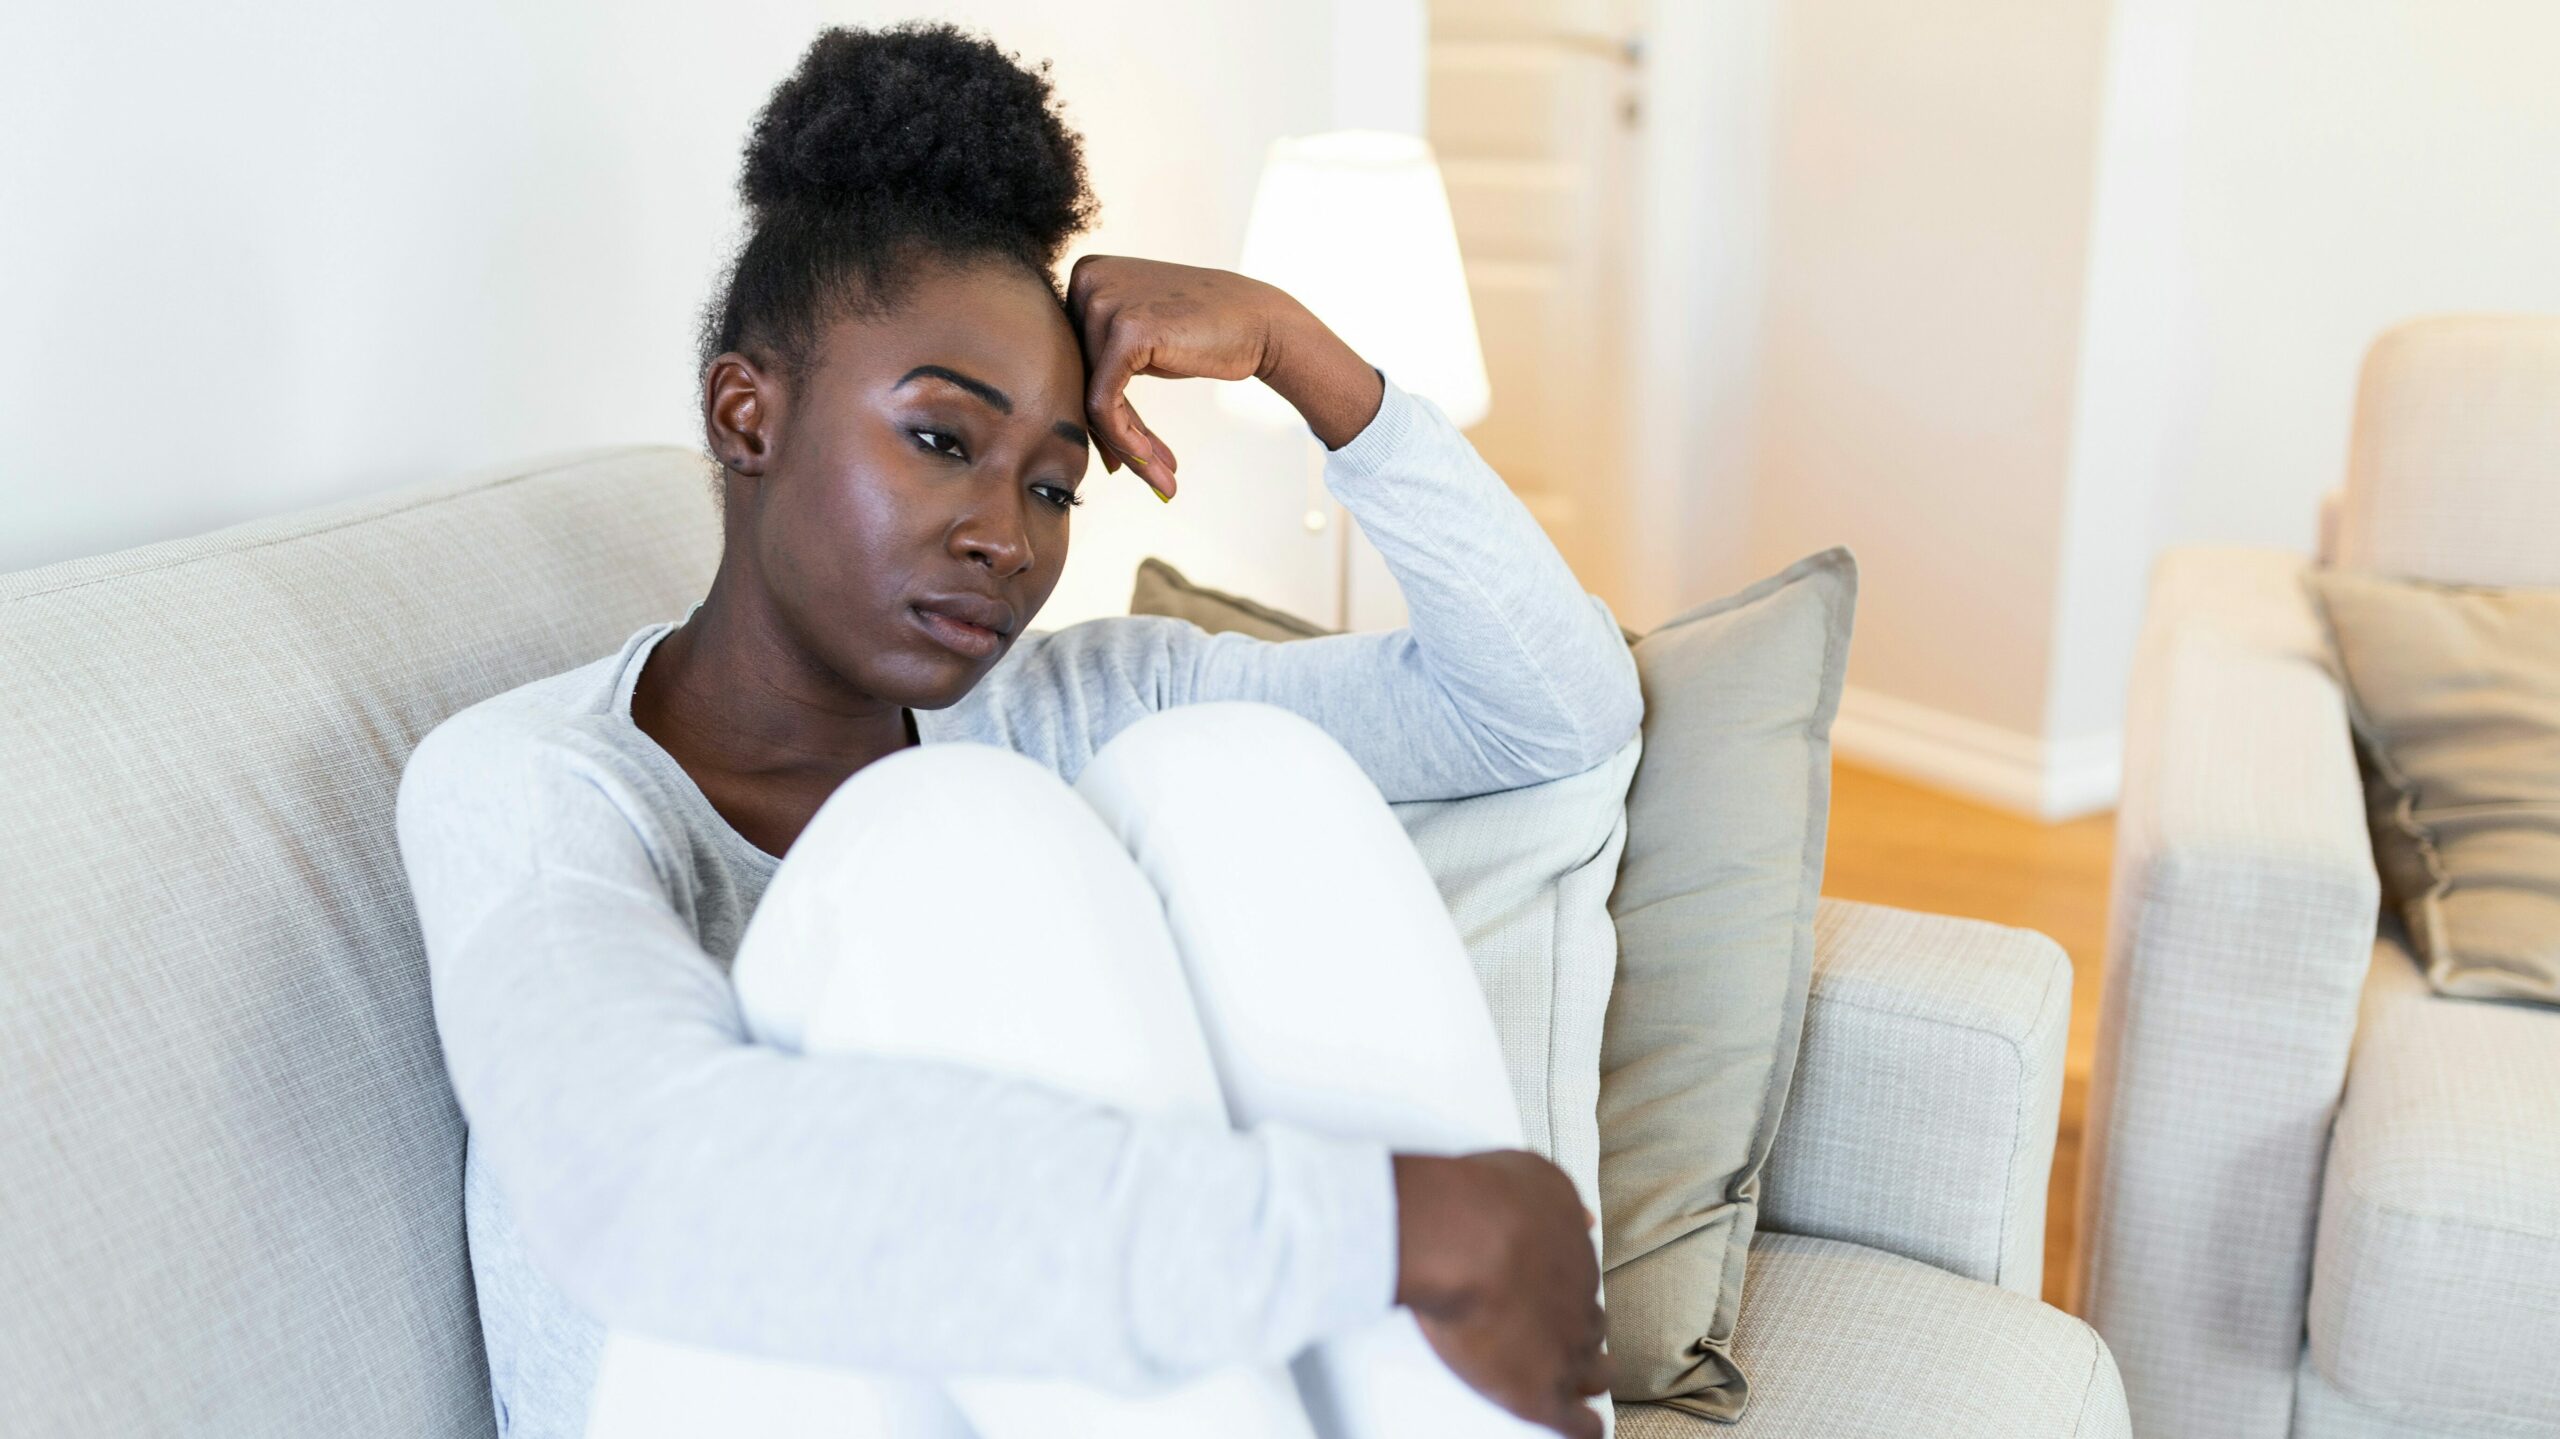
(1495, 1259)
(1149, 317)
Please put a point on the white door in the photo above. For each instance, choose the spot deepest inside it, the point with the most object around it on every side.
(1533, 109)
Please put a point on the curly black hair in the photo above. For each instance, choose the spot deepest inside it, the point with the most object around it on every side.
(886, 147)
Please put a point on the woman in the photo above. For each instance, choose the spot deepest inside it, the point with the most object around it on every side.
(1001, 1084)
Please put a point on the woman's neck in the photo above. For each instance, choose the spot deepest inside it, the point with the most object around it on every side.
(731, 690)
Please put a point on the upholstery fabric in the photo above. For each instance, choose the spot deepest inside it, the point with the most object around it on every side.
(2320, 1411)
(2242, 924)
(2453, 473)
(2455, 694)
(1927, 1092)
(1526, 874)
(230, 1167)
(1845, 1342)
(1715, 906)
(2435, 1287)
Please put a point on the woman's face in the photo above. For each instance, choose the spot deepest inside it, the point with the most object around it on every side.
(910, 514)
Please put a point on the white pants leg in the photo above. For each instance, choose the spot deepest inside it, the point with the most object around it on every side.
(1349, 1006)
(1336, 992)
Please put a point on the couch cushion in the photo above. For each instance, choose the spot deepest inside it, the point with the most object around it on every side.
(2321, 1412)
(1845, 1342)
(1526, 875)
(2453, 473)
(2435, 1284)
(230, 1167)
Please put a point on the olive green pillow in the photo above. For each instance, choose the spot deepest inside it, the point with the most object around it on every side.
(1726, 823)
(1162, 590)
(2455, 696)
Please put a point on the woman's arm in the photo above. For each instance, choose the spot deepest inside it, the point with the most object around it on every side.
(1507, 673)
(677, 1180)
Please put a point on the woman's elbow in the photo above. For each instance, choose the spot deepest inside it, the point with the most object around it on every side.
(1611, 709)
(588, 1241)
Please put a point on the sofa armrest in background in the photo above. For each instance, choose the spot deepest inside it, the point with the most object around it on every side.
(2243, 922)
(1926, 1092)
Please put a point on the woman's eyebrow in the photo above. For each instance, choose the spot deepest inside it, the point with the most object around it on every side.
(1071, 433)
(971, 383)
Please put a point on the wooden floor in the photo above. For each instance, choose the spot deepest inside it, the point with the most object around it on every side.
(1896, 843)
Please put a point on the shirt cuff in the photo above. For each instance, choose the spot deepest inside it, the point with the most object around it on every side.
(1402, 419)
(1350, 1189)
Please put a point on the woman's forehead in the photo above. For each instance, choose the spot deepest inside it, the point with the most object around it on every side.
(998, 323)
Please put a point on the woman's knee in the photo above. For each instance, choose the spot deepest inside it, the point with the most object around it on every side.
(968, 802)
(913, 850)
(959, 902)
(1225, 754)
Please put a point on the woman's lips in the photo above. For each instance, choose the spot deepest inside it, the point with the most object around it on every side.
(959, 636)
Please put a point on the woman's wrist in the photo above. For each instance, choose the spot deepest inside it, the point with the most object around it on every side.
(1325, 380)
(1431, 1273)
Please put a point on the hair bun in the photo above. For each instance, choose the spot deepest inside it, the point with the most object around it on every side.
(922, 126)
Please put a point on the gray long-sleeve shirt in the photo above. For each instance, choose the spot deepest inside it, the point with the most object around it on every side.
(636, 1161)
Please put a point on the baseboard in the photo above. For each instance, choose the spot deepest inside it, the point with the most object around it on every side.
(2021, 773)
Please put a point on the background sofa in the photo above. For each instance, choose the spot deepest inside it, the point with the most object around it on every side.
(2317, 1199)
(229, 1162)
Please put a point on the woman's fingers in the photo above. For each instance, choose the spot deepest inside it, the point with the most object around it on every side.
(1119, 358)
(1573, 1418)
(1597, 1374)
(1092, 315)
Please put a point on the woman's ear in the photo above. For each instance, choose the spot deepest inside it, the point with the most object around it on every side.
(740, 403)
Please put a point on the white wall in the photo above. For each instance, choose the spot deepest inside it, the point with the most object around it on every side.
(256, 257)
(2284, 180)
(2041, 288)
(1928, 214)
(1702, 274)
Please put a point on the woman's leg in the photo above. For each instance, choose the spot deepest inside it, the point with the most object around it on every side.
(1333, 986)
(957, 901)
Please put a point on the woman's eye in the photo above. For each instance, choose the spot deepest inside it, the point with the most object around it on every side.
(1058, 495)
(939, 443)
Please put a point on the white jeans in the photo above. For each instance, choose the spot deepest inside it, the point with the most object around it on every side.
(1221, 916)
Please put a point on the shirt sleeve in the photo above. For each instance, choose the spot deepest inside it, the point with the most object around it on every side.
(1507, 672)
(675, 1179)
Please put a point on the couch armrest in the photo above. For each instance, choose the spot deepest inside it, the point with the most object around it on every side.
(1926, 1091)
(2243, 922)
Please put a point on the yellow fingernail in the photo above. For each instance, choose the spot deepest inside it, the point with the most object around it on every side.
(1161, 495)
(1133, 459)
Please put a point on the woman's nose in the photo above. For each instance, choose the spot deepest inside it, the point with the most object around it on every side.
(994, 535)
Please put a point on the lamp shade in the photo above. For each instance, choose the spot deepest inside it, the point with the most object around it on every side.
(1355, 224)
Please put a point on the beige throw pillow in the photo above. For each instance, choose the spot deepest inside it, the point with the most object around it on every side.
(1715, 900)
(2455, 696)
(1162, 590)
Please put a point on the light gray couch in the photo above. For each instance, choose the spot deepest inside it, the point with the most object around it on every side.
(2317, 1199)
(229, 1162)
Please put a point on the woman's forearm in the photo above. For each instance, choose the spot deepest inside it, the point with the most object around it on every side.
(1530, 662)
(1332, 388)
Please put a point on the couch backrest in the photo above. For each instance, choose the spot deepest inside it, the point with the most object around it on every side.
(2454, 470)
(230, 1167)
